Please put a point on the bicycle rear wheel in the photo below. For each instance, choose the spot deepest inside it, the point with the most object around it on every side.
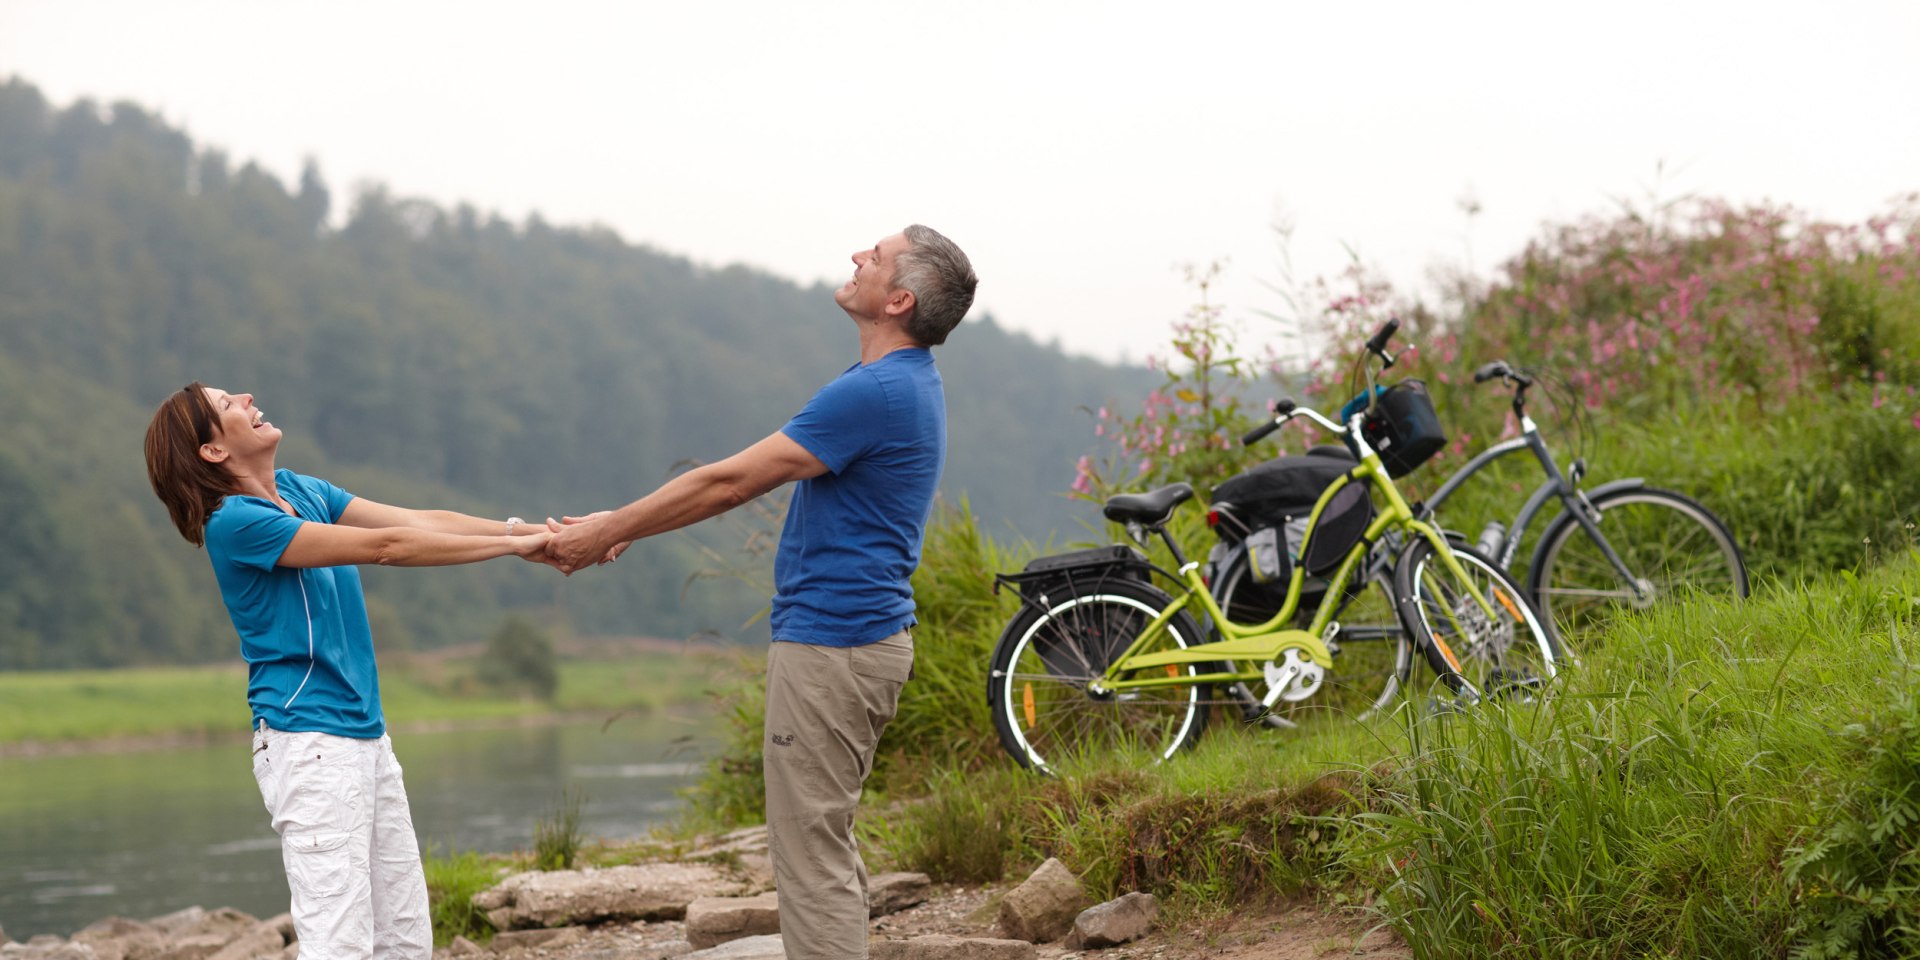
(1372, 655)
(1040, 687)
(1508, 654)
(1672, 544)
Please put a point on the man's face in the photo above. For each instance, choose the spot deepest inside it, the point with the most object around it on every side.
(870, 294)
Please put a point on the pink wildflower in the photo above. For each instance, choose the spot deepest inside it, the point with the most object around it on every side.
(1083, 476)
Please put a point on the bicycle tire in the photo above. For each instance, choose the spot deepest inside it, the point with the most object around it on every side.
(1674, 543)
(1511, 653)
(1037, 687)
(1372, 655)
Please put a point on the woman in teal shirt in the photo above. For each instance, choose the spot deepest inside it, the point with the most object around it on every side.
(284, 549)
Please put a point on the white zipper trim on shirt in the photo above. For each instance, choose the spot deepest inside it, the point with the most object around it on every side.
(309, 611)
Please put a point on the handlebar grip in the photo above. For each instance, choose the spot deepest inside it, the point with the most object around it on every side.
(1280, 410)
(1489, 371)
(1380, 337)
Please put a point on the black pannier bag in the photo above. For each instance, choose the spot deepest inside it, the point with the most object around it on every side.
(1404, 428)
(1271, 493)
(1342, 523)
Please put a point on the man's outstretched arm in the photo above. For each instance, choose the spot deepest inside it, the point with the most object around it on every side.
(689, 498)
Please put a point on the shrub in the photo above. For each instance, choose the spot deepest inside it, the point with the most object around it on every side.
(519, 658)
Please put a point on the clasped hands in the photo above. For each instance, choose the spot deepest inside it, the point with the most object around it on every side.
(574, 542)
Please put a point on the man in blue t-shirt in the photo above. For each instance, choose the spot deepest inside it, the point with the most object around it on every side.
(865, 454)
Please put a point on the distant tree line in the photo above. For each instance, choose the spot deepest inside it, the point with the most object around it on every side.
(421, 356)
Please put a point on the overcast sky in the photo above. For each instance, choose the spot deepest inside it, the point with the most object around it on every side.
(1079, 151)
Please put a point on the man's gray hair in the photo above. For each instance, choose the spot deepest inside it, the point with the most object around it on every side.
(941, 280)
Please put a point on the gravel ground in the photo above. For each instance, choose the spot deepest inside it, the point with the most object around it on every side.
(1299, 933)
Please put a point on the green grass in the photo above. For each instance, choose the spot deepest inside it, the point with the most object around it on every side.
(1715, 780)
(451, 883)
(69, 706)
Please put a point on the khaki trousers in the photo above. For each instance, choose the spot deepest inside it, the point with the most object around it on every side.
(826, 707)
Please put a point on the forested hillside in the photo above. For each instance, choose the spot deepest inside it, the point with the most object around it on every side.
(417, 355)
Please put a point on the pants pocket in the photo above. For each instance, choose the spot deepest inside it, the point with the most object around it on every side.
(318, 863)
(888, 659)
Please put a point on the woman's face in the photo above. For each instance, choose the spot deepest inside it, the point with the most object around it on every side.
(241, 428)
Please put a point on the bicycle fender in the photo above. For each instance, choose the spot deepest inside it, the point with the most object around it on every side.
(1630, 483)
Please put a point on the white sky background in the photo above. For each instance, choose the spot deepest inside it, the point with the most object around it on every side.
(1079, 151)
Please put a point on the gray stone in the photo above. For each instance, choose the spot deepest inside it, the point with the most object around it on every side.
(462, 947)
(741, 841)
(1043, 908)
(652, 891)
(766, 947)
(890, 893)
(1114, 922)
(113, 948)
(549, 939)
(179, 921)
(284, 924)
(292, 952)
(195, 946)
(712, 921)
(264, 939)
(118, 938)
(44, 940)
(943, 947)
(673, 948)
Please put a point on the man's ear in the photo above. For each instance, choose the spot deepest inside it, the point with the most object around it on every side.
(211, 453)
(899, 302)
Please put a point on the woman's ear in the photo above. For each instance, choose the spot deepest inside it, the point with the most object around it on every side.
(211, 453)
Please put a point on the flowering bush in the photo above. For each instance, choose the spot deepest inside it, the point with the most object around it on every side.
(1190, 426)
(1759, 304)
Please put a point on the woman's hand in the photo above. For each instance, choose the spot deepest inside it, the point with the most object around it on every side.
(532, 547)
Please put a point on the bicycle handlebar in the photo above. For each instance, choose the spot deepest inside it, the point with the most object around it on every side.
(1378, 343)
(1499, 368)
(1283, 411)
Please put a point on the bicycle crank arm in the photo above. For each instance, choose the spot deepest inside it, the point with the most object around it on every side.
(1262, 647)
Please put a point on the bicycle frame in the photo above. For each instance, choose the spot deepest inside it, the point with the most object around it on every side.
(1264, 642)
(1557, 485)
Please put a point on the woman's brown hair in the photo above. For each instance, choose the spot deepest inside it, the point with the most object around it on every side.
(191, 487)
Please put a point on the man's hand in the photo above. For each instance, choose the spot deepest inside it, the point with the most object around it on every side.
(580, 541)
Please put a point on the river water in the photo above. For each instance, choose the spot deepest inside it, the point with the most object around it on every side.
(145, 833)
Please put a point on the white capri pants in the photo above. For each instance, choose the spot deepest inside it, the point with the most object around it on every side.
(346, 834)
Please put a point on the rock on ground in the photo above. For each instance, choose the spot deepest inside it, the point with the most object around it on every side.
(651, 891)
(1043, 908)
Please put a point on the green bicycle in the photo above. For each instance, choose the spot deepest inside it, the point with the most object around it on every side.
(1099, 658)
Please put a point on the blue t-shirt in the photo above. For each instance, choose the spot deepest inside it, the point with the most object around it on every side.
(853, 534)
(303, 633)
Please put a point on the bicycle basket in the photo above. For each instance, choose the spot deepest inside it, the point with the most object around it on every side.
(1403, 426)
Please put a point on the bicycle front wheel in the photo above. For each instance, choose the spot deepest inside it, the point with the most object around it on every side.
(1047, 706)
(1372, 656)
(1507, 652)
(1671, 544)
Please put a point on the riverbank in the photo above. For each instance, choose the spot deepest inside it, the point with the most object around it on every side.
(149, 708)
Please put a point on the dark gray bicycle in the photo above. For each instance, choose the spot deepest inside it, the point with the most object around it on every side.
(1624, 545)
